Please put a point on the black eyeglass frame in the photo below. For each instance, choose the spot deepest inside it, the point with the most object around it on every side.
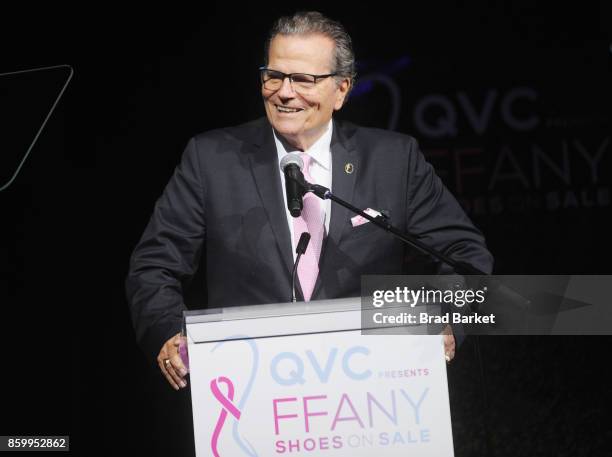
(291, 75)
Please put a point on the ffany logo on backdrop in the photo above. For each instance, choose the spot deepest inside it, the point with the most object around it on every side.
(520, 163)
(329, 400)
(506, 150)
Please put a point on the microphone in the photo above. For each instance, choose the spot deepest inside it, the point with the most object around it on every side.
(299, 250)
(292, 164)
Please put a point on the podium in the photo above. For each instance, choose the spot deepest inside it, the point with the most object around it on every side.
(300, 379)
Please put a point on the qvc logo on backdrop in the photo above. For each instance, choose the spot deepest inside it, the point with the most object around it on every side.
(437, 115)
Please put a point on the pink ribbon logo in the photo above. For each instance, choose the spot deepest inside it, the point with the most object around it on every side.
(227, 405)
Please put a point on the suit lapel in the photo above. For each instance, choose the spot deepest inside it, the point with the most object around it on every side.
(344, 154)
(264, 164)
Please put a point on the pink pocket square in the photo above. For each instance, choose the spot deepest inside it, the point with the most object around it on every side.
(360, 220)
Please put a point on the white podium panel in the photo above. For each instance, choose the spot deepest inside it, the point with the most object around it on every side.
(298, 380)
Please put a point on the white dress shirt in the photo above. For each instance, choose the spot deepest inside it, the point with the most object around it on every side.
(320, 170)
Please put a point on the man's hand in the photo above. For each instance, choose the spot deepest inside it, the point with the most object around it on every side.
(449, 343)
(170, 362)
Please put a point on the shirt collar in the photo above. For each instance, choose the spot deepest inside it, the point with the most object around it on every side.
(319, 151)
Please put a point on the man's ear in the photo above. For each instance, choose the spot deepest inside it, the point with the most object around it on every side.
(341, 93)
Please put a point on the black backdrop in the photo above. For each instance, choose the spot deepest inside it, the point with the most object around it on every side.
(516, 118)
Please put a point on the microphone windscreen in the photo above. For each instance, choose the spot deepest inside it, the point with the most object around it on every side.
(291, 159)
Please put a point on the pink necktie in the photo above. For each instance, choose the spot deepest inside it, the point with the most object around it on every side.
(312, 221)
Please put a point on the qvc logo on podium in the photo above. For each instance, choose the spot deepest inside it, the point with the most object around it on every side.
(288, 368)
(325, 410)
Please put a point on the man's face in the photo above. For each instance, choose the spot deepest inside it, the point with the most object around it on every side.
(312, 54)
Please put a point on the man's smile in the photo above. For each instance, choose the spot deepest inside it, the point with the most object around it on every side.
(287, 109)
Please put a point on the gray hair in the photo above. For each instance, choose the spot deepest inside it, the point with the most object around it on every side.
(311, 22)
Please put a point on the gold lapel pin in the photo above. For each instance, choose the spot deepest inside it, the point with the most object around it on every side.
(349, 168)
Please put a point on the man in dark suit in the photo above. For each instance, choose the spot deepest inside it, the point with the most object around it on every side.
(227, 194)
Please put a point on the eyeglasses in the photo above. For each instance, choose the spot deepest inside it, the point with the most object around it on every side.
(301, 82)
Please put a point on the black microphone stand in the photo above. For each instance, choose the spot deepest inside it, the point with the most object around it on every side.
(461, 268)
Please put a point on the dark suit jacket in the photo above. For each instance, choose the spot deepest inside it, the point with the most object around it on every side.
(226, 193)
